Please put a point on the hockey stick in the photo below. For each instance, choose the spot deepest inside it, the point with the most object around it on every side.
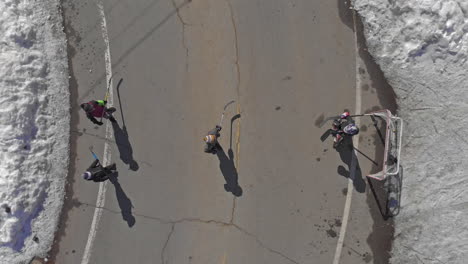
(92, 152)
(328, 119)
(325, 135)
(222, 116)
(335, 117)
(107, 96)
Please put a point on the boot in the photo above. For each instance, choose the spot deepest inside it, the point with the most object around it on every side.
(111, 110)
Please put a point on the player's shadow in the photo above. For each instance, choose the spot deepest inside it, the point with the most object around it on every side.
(229, 171)
(122, 139)
(228, 167)
(348, 156)
(125, 203)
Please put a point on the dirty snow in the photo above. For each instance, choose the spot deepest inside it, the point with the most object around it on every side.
(34, 126)
(422, 47)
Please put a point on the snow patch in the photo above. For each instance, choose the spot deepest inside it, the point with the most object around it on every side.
(34, 126)
(422, 48)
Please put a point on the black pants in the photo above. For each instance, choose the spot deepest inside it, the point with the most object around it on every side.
(211, 148)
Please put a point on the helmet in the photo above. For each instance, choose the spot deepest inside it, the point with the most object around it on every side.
(87, 107)
(87, 175)
(210, 139)
(344, 115)
(351, 129)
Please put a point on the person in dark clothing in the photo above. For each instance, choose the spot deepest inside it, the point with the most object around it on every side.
(343, 126)
(96, 172)
(211, 140)
(97, 109)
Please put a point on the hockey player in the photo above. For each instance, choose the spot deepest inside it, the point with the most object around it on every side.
(344, 125)
(211, 140)
(96, 172)
(98, 109)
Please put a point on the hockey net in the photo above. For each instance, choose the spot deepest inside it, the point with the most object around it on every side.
(393, 135)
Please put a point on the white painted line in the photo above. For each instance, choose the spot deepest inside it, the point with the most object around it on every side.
(101, 197)
(352, 169)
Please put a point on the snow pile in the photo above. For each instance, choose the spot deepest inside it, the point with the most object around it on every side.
(34, 126)
(422, 47)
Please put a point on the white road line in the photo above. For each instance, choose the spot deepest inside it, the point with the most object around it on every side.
(101, 197)
(352, 169)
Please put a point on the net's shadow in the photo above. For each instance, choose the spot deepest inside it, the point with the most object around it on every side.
(353, 172)
(387, 194)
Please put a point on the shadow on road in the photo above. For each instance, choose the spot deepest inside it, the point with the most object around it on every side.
(228, 167)
(383, 232)
(226, 164)
(346, 13)
(125, 203)
(387, 194)
(348, 156)
(122, 139)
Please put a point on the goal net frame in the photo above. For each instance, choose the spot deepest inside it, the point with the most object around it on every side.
(393, 136)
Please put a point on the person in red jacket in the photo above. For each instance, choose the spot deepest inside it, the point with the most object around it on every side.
(98, 109)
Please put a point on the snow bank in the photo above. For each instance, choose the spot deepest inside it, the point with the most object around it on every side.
(422, 47)
(34, 126)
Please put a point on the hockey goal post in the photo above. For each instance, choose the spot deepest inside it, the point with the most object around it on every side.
(393, 136)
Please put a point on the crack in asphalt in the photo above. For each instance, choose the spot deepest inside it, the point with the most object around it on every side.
(173, 224)
(238, 75)
(166, 243)
(233, 210)
(235, 226)
(236, 62)
(183, 23)
(233, 21)
(245, 232)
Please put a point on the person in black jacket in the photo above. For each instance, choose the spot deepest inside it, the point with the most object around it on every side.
(97, 173)
(343, 126)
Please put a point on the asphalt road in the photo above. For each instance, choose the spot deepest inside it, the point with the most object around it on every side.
(275, 193)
